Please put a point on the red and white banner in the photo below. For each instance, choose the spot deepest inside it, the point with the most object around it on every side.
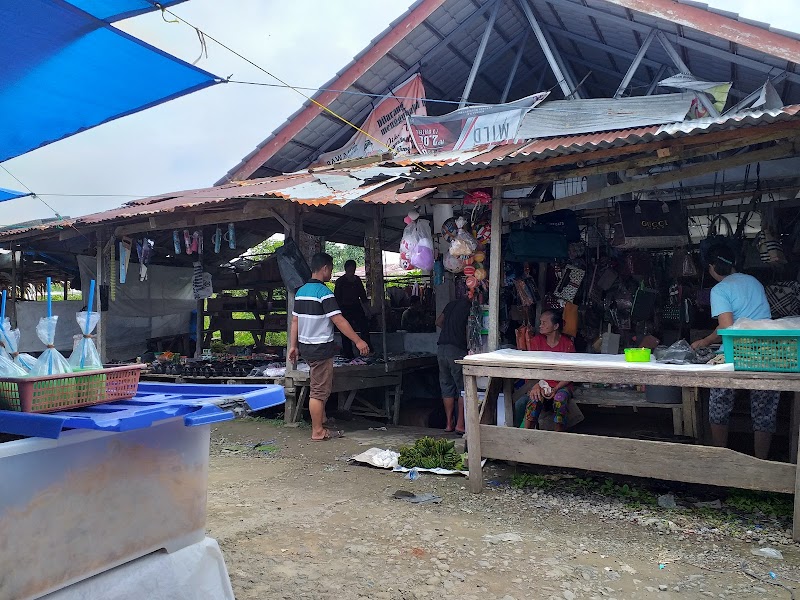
(387, 122)
(466, 128)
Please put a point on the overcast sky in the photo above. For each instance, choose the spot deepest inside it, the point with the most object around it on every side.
(193, 141)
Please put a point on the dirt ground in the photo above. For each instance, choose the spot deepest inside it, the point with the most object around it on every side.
(295, 520)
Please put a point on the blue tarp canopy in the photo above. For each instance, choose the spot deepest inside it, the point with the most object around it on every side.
(11, 194)
(65, 70)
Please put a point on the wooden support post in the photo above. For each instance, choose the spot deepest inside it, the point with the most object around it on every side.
(508, 397)
(293, 402)
(691, 422)
(796, 520)
(199, 326)
(495, 268)
(794, 428)
(473, 434)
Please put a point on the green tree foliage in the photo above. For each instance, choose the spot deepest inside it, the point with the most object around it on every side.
(341, 253)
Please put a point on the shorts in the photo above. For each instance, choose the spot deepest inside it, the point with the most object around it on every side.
(321, 379)
(763, 408)
(451, 375)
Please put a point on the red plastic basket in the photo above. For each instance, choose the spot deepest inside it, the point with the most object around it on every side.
(72, 390)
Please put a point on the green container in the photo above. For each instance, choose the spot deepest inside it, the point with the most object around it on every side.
(776, 351)
(637, 354)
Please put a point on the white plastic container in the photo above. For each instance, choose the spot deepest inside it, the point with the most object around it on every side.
(74, 507)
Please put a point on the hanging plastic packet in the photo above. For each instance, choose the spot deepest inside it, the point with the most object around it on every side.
(176, 241)
(421, 256)
(84, 354)
(51, 361)
(231, 236)
(217, 239)
(10, 338)
(463, 244)
(8, 368)
(410, 239)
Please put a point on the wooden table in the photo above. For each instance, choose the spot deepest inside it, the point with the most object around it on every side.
(348, 380)
(660, 460)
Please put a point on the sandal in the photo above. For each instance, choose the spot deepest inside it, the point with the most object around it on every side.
(329, 435)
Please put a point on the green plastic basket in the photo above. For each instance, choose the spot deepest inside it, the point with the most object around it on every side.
(777, 351)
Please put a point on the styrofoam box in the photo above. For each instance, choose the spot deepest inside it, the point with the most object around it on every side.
(74, 507)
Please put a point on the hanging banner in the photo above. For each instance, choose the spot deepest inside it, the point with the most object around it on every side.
(472, 126)
(387, 123)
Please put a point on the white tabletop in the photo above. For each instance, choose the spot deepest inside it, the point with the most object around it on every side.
(523, 358)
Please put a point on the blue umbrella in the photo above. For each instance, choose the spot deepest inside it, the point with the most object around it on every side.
(66, 69)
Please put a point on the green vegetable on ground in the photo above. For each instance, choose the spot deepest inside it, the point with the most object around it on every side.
(429, 453)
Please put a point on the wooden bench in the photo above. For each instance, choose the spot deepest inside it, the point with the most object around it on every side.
(629, 398)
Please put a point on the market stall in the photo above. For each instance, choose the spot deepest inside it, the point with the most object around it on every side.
(351, 380)
(661, 460)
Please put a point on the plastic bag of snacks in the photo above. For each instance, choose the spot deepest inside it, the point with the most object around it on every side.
(463, 244)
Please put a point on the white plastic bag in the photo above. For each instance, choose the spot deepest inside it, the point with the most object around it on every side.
(9, 369)
(10, 338)
(463, 244)
(51, 361)
(84, 354)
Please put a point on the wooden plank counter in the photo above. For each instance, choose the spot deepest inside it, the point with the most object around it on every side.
(659, 460)
(349, 380)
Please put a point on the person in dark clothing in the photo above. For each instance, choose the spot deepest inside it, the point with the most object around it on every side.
(350, 294)
(413, 318)
(452, 347)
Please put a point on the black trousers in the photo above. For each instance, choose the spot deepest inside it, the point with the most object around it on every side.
(359, 322)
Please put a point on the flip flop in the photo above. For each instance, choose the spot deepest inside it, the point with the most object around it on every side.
(329, 435)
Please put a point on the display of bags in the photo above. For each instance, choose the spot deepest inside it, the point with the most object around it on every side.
(783, 298)
(570, 283)
(650, 224)
(716, 238)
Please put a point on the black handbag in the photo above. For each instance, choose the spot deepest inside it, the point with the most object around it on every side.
(650, 224)
(294, 269)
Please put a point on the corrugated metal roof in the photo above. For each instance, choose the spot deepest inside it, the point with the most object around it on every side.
(568, 117)
(373, 184)
(597, 39)
(452, 163)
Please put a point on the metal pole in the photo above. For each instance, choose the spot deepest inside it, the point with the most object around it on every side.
(555, 61)
(675, 57)
(654, 85)
(637, 60)
(476, 64)
(13, 311)
(514, 67)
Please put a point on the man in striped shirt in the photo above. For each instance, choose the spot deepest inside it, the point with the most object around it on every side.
(315, 313)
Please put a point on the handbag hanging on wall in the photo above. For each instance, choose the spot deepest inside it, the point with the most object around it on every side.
(650, 224)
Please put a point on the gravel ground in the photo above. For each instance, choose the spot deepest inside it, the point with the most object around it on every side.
(295, 519)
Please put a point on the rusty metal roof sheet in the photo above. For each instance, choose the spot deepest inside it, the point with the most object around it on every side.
(452, 163)
(376, 184)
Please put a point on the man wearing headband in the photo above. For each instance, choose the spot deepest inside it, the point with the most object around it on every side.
(737, 296)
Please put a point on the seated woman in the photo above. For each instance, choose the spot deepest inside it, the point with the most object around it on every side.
(547, 394)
